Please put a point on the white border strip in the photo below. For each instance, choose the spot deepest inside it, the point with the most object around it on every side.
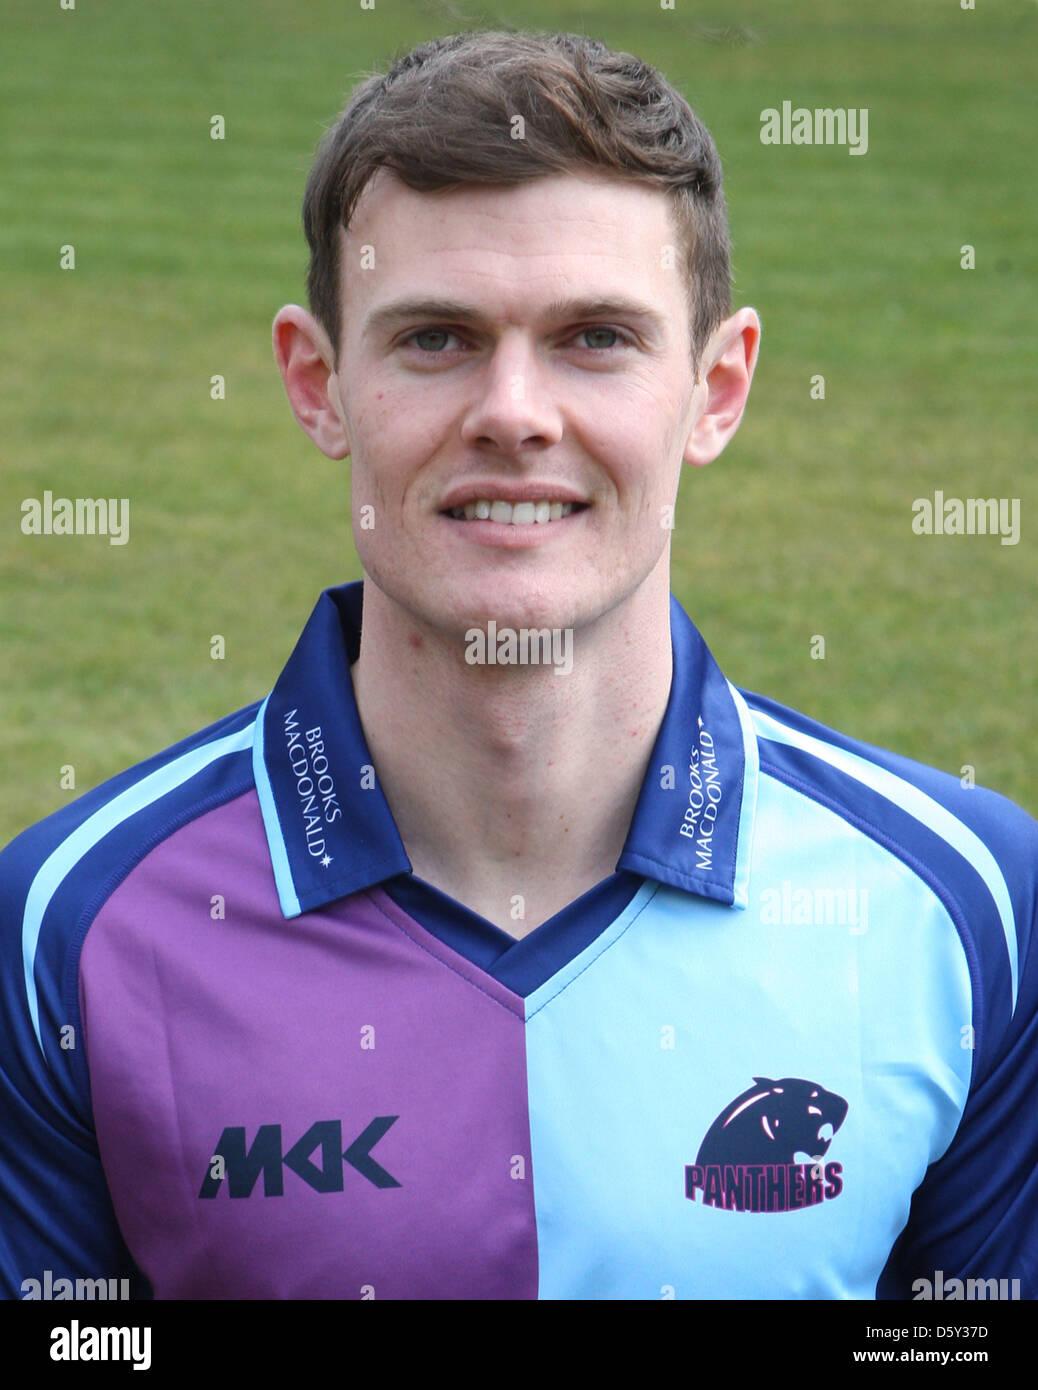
(740, 885)
(283, 881)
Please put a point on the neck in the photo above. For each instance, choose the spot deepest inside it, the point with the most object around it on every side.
(512, 787)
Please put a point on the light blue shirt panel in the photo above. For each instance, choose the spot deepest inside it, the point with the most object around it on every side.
(872, 1009)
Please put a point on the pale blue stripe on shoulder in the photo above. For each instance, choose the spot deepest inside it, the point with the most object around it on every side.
(58, 865)
(283, 880)
(917, 803)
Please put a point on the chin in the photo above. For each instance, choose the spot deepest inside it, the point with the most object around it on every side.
(516, 605)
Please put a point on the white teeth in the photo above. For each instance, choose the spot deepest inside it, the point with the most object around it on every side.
(512, 513)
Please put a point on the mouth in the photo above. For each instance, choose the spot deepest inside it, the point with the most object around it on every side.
(542, 512)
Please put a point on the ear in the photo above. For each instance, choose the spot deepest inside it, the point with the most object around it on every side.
(306, 361)
(727, 369)
(763, 1081)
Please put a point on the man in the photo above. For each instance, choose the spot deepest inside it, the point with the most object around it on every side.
(506, 950)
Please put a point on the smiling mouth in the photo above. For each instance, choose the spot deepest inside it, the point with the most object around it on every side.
(514, 513)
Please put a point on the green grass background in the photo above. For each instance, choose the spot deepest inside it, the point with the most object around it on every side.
(186, 247)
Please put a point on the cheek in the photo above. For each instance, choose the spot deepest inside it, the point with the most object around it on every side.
(637, 444)
(369, 418)
(379, 433)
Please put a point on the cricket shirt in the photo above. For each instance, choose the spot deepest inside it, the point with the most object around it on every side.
(789, 1049)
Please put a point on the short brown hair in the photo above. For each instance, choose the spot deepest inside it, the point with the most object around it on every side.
(441, 117)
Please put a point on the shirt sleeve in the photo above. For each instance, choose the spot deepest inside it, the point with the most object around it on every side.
(974, 1217)
(56, 1216)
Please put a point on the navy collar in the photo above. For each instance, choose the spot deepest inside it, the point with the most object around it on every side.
(329, 827)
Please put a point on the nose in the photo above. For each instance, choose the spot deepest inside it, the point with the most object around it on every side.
(512, 405)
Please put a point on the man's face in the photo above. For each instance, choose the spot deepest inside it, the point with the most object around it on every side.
(521, 346)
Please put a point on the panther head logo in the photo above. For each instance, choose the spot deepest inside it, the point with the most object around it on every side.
(774, 1121)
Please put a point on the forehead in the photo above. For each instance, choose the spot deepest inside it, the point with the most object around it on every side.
(554, 235)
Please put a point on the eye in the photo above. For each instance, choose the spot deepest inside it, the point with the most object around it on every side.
(439, 335)
(596, 330)
(602, 339)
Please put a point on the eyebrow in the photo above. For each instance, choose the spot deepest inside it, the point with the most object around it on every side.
(403, 311)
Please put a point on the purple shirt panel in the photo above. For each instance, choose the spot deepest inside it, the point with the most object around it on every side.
(216, 1044)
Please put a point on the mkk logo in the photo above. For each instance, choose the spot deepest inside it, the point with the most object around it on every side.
(748, 1158)
(241, 1167)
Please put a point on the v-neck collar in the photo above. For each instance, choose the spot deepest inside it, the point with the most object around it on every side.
(331, 833)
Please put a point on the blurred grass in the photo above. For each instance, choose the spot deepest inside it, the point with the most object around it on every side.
(186, 247)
